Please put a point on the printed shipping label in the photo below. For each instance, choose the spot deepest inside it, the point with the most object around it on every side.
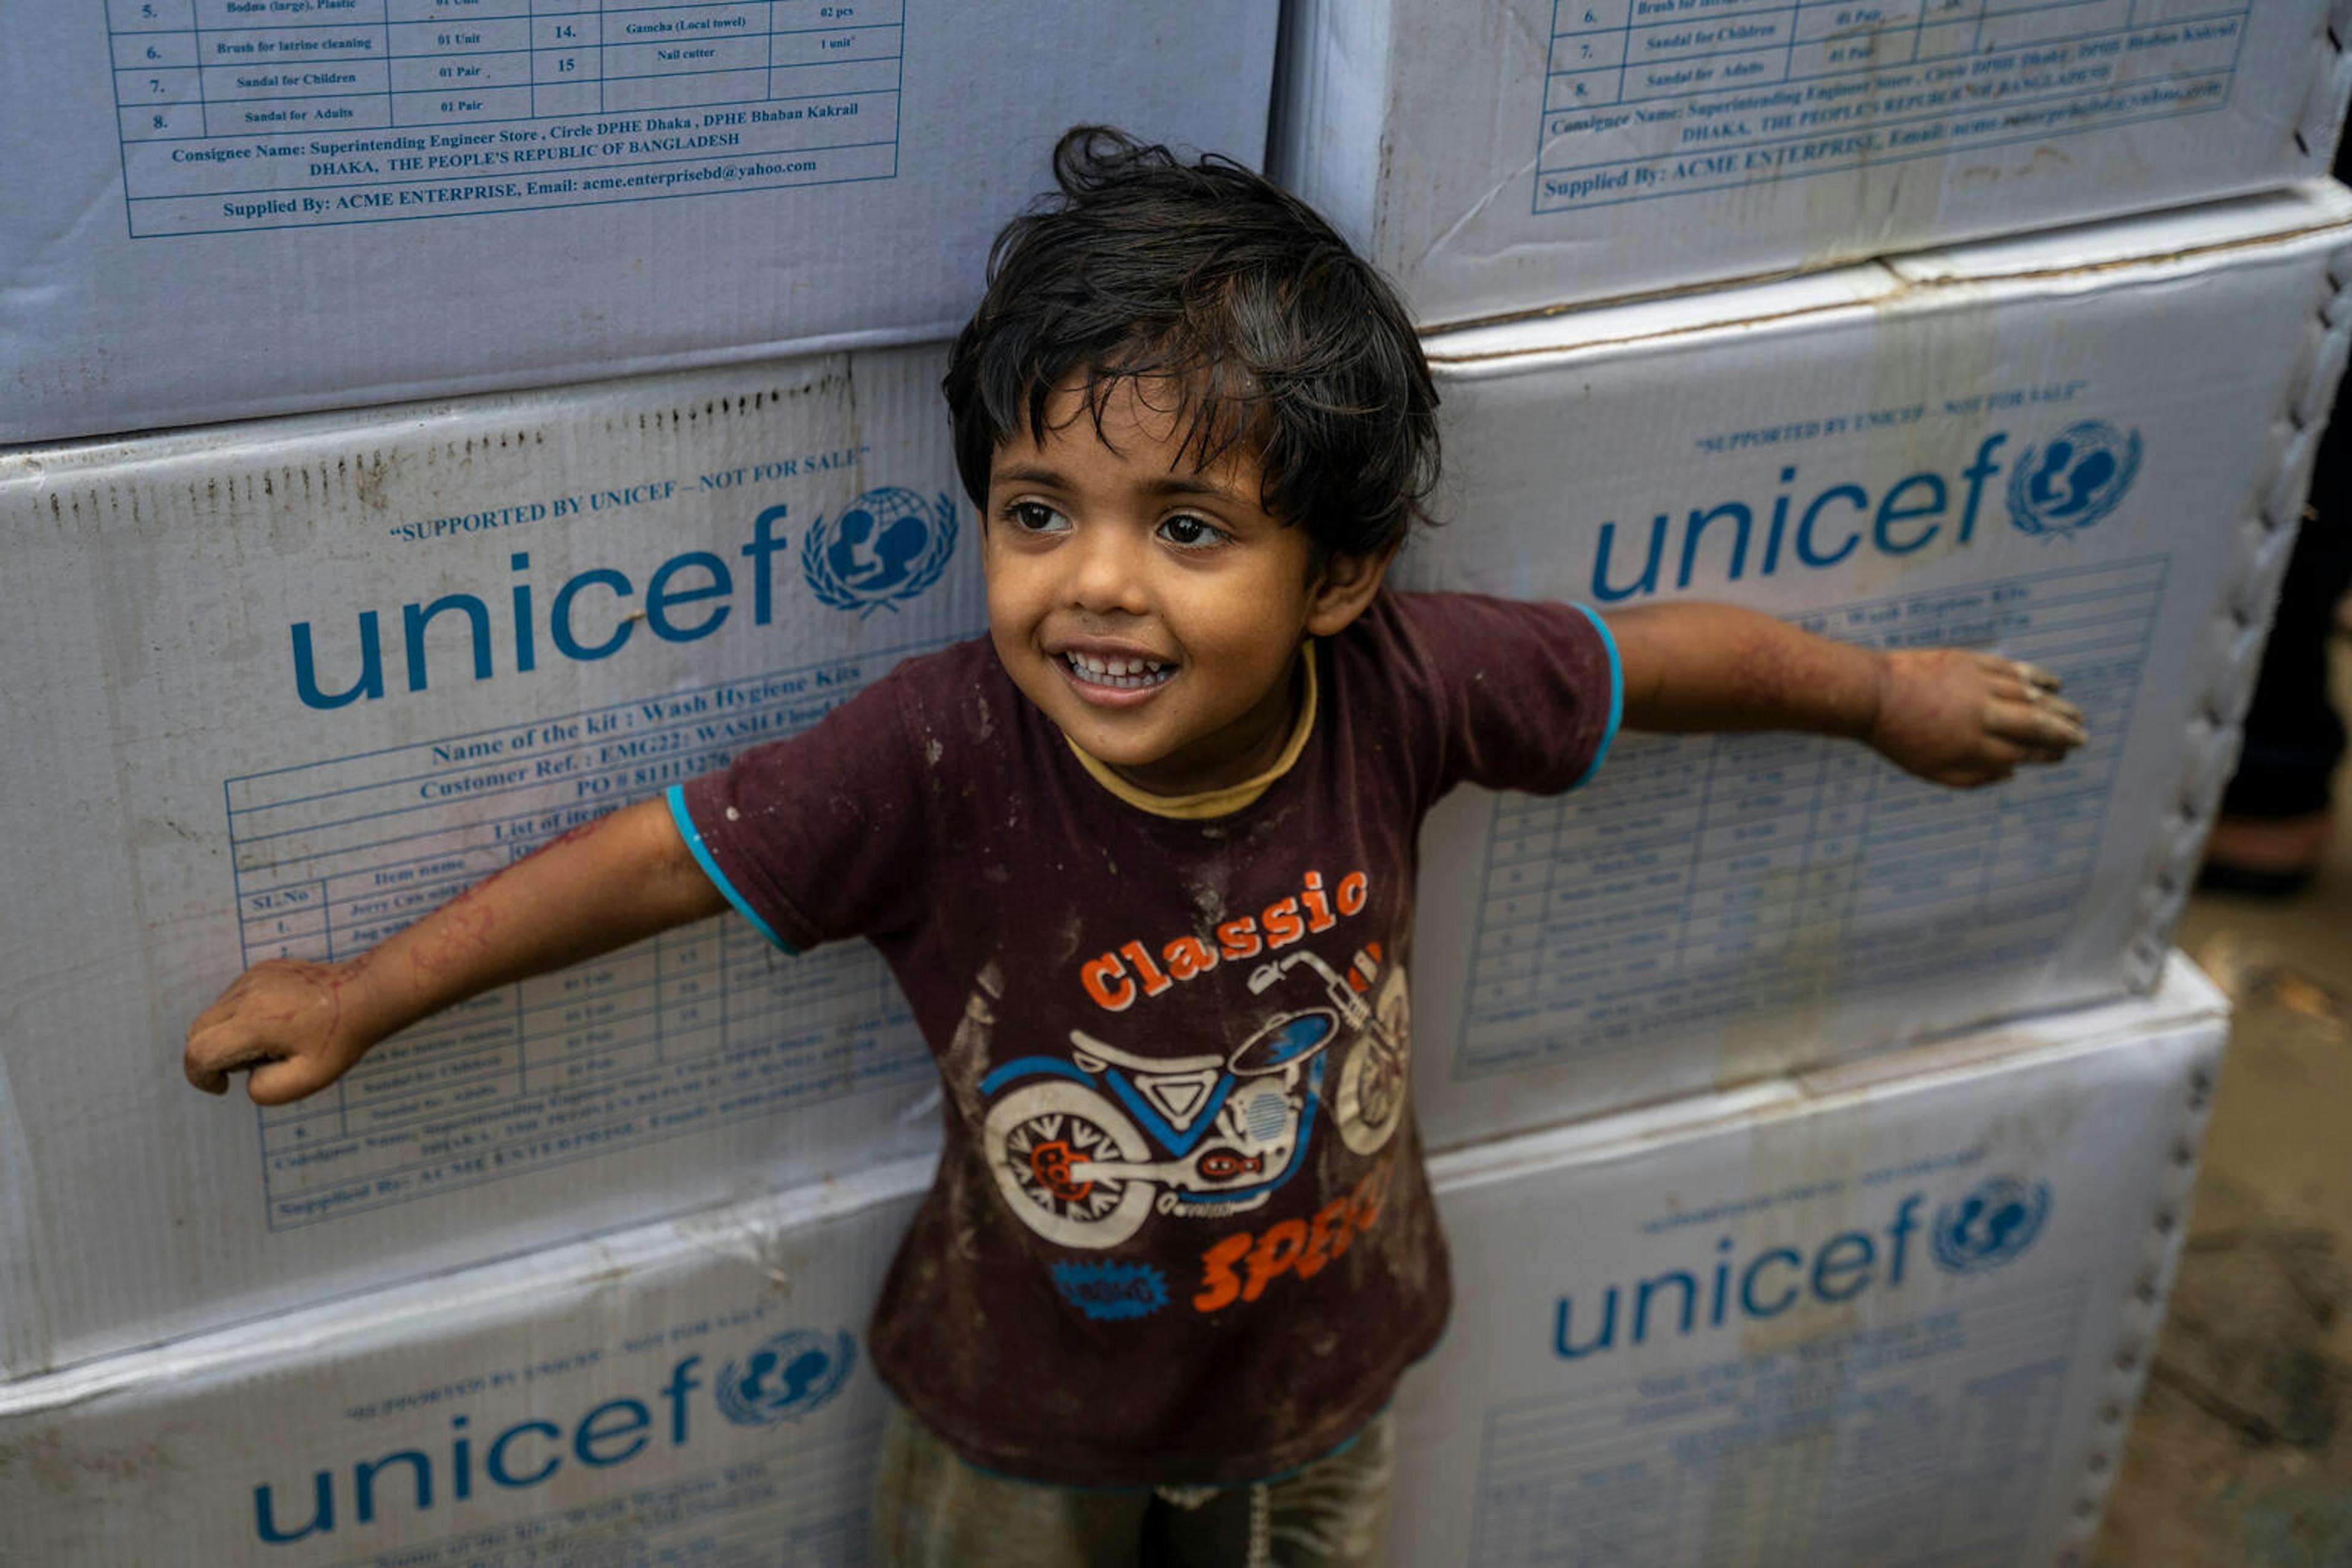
(1646, 99)
(240, 116)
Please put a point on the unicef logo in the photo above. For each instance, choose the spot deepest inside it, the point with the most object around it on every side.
(1991, 1224)
(2072, 480)
(886, 546)
(787, 1377)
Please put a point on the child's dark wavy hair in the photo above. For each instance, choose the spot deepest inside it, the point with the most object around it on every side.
(1274, 334)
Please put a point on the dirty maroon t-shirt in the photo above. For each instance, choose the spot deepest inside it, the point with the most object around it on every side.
(1180, 1232)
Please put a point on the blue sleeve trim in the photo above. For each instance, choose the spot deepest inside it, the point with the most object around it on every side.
(1616, 700)
(675, 796)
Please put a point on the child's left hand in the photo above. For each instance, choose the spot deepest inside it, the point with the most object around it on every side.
(1962, 718)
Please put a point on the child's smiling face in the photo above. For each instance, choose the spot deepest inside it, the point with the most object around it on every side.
(1153, 610)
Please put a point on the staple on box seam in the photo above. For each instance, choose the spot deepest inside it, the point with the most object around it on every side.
(2319, 124)
(2126, 1376)
(2266, 544)
(2303, 374)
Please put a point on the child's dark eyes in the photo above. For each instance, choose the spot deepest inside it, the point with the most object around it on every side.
(1191, 532)
(1183, 530)
(1032, 517)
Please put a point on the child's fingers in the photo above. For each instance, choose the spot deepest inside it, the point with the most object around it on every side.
(2046, 701)
(2005, 754)
(2001, 675)
(2040, 729)
(2015, 682)
(275, 1082)
(273, 985)
(2064, 709)
(212, 1056)
(2035, 676)
(224, 1008)
(2023, 670)
(1995, 758)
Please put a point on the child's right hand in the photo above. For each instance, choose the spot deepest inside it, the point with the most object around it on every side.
(294, 1025)
(299, 1026)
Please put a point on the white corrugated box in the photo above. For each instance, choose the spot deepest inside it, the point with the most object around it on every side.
(1867, 1357)
(2086, 448)
(1510, 156)
(274, 701)
(216, 784)
(217, 209)
(1896, 1316)
(690, 1392)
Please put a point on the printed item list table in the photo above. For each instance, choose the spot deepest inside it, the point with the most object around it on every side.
(238, 114)
(1645, 98)
(1707, 877)
(705, 1024)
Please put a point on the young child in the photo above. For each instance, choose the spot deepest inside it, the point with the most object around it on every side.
(1142, 860)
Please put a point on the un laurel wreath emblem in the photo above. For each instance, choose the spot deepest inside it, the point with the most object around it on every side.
(2074, 479)
(888, 546)
(786, 1377)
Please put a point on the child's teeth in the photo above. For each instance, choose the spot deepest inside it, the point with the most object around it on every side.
(1128, 672)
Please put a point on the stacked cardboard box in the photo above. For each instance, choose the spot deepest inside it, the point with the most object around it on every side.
(313, 209)
(1894, 1314)
(2080, 442)
(217, 209)
(2086, 448)
(693, 1391)
(299, 679)
(362, 660)
(1520, 155)
(328, 670)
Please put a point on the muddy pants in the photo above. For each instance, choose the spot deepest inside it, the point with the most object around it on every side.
(933, 1510)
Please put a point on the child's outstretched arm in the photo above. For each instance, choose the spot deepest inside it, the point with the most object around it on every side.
(1947, 714)
(299, 1026)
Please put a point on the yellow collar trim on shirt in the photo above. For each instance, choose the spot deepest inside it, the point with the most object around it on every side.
(1213, 801)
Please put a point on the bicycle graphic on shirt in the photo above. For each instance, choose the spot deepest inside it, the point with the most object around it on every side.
(1086, 1149)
